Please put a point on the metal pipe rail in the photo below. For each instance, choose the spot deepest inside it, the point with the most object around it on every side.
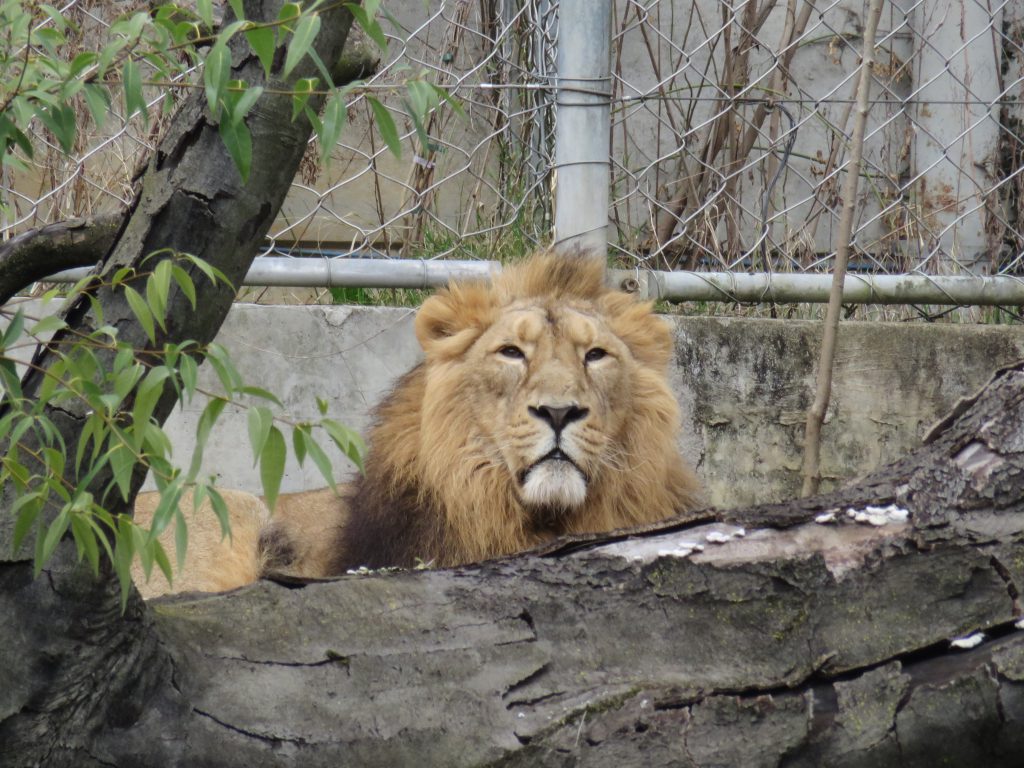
(782, 288)
(787, 288)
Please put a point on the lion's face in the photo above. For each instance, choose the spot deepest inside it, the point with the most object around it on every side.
(550, 388)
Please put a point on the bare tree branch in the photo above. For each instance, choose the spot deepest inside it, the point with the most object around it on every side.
(816, 413)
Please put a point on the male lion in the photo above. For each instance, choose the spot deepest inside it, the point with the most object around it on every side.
(541, 408)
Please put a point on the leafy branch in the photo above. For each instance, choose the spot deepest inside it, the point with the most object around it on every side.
(121, 436)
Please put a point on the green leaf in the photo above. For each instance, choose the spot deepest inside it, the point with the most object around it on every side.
(207, 419)
(166, 508)
(219, 358)
(216, 74)
(184, 281)
(386, 126)
(365, 18)
(124, 382)
(83, 441)
(98, 102)
(214, 274)
(220, 509)
(5, 425)
(53, 377)
(48, 324)
(301, 41)
(54, 534)
(160, 557)
(124, 551)
(189, 373)
(299, 442)
(131, 81)
(158, 286)
(260, 421)
(260, 393)
(320, 459)
(245, 102)
(289, 12)
(332, 124)
(146, 398)
(205, 10)
(237, 8)
(13, 331)
(180, 538)
(347, 440)
(451, 101)
(262, 42)
(21, 428)
(85, 541)
(12, 135)
(301, 93)
(272, 465)
(60, 119)
(10, 381)
(142, 311)
(238, 141)
(100, 514)
(26, 508)
(122, 462)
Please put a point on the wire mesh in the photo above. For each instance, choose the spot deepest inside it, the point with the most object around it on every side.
(728, 141)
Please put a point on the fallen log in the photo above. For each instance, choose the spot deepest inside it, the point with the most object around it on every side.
(878, 625)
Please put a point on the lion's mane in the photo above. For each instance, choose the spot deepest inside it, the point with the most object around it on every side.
(432, 494)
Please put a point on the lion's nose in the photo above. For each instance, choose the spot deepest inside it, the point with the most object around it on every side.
(559, 417)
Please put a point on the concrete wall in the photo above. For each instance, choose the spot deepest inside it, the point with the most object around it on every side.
(744, 386)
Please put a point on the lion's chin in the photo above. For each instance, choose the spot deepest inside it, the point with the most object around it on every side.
(554, 484)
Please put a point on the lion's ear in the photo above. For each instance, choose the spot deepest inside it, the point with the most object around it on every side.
(453, 318)
(647, 335)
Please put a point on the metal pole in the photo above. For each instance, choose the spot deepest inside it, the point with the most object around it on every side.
(857, 289)
(349, 273)
(782, 288)
(582, 123)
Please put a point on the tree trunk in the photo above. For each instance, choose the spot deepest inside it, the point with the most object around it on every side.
(71, 667)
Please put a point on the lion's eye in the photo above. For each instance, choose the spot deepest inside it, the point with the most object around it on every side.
(512, 352)
(595, 354)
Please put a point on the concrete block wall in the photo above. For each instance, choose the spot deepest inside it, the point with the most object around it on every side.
(744, 386)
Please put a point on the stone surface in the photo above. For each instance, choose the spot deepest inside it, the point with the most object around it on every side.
(744, 386)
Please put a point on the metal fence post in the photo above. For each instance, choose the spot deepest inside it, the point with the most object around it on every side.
(582, 119)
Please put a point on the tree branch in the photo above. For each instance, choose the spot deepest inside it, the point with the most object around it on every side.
(39, 253)
(816, 413)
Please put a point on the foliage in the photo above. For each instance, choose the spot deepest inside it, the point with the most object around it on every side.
(52, 74)
(45, 69)
(120, 434)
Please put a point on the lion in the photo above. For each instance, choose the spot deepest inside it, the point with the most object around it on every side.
(541, 408)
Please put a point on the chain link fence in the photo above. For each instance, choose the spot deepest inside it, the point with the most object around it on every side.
(729, 133)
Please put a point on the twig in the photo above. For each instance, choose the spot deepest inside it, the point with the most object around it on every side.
(816, 414)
